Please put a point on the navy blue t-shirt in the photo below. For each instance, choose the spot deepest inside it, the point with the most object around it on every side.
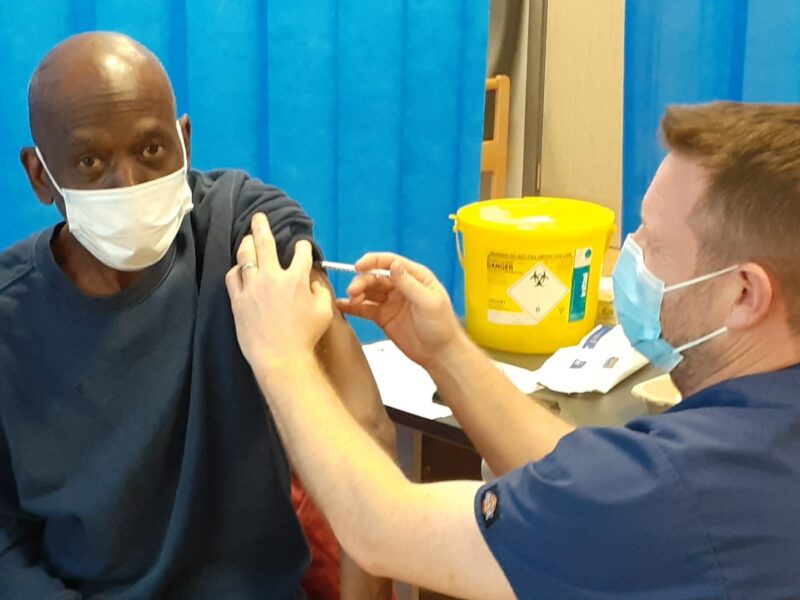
(137, 456)
(700, 502)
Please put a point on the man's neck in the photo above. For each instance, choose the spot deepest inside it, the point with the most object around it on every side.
(747, 356)
(88, 274)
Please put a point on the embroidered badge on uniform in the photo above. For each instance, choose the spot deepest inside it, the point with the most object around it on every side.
(490, 506)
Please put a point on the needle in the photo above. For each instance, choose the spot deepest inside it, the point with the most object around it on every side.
(348, 268)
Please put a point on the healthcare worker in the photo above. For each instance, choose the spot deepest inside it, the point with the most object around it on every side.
(700, 502)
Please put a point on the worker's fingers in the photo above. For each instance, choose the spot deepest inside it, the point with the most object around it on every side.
(384, 260)
(246, 259)
(376, 260)
(412, 288)
(233, 281)
(266, 252)
(323, 299)
(419, 288)
(343, 303)
(365, 309)
(357, 299)
(246, 251)
(376, 296)
(362, 284)
(303, 259)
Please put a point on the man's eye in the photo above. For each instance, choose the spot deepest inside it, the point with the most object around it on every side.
(88, 162)
(152, 150)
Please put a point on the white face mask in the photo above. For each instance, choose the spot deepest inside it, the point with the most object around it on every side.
(128, 228)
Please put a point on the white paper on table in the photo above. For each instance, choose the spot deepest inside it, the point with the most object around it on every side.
(525, 380)
(403, 384)
(603, 359)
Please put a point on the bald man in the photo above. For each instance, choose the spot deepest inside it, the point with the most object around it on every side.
(137, 459)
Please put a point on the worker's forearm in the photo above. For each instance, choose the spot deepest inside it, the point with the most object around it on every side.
(506, 426)
(312, 421)
(423, 534)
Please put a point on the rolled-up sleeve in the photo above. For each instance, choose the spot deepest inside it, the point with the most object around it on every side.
(289, 222)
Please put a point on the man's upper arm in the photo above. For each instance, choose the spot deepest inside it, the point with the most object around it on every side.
(343, 359)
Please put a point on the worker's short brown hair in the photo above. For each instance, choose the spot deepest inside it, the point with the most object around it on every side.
(751, 208)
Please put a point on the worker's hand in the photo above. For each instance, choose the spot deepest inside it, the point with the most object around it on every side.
(412, 307)
(280, 315)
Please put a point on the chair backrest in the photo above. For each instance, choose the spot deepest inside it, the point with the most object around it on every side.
(494, 158)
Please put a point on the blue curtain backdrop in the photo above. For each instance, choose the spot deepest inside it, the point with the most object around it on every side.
(686, 51)
(370, 113)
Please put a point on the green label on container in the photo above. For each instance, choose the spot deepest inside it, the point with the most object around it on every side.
(580, 284)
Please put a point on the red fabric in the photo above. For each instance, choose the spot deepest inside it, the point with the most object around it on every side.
(322, 581)
(323, 577)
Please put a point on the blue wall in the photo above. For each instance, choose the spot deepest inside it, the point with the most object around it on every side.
(685, 51)
(369, 112)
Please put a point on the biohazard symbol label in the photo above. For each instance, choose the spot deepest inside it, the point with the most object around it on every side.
(538, 292)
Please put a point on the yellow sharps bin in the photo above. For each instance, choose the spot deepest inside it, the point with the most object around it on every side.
(532, 269)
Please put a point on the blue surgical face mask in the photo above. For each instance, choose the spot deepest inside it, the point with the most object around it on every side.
(637, 298)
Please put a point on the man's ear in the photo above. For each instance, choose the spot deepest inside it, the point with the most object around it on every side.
(755, 296)
(40, 182)
(186, 127)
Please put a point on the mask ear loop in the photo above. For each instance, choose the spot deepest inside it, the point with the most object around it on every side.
(46, 170)
(702, 340)
(713, 334)
(700, 279)
(183, 144)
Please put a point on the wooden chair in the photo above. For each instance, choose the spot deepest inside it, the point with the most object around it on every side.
(494, 159)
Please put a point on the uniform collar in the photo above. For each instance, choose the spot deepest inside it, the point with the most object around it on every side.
(772, 389)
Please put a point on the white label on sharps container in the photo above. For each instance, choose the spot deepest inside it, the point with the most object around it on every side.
(538, 292)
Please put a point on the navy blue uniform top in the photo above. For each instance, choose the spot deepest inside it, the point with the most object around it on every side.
(700, 502)
(137, 457)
